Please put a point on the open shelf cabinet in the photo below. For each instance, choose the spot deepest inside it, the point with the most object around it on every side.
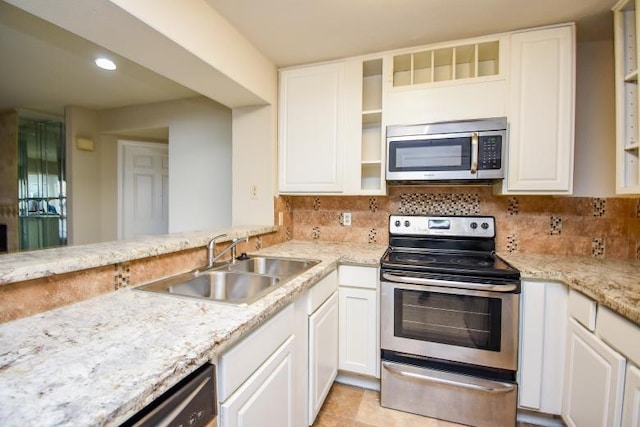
(445, 64)
(371, 165)
(626, 78)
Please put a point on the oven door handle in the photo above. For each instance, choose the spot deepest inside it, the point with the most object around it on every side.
(448, 283)
(478, 384)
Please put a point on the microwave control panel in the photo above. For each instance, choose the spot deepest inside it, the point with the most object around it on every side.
(490, 152)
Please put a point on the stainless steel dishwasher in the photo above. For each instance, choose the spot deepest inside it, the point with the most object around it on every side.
(191, 402)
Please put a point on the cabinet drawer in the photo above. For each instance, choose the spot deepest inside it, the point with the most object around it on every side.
(237, 364)
(358, 276)
(583, 309)
(321, 291)
(620, 333)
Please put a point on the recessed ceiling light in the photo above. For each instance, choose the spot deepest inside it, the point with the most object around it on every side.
(106, 64)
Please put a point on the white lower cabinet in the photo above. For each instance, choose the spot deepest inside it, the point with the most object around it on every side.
(256, 376)
(631, 405)
(542, 346)
(267, 397)
(323, 353)
(359, 320)
(594, 380)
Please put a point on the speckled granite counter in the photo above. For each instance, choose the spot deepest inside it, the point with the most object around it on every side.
(19, 266)
(99, 361)
(612, 283)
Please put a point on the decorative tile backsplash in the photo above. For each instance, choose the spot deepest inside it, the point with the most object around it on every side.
(583, 226)
(439, 204)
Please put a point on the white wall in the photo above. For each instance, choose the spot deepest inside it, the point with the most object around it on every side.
(254, 163)
(83, 178)
(200, 178)
(594, 173)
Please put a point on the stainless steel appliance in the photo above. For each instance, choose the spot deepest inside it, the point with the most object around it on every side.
(449, 321)
(470, 150)
(191, 402)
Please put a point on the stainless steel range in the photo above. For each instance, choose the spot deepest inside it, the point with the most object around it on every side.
(449, 321)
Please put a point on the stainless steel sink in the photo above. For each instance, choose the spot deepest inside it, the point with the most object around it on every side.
(241, 283)
(273, 266)
(226, 286)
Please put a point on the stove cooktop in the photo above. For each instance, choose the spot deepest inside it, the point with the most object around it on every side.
(452, 246)
(477, 264)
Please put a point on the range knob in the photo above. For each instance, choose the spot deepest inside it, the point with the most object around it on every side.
(473, 225)
(484, 225)
(397, 223)
(407, 223)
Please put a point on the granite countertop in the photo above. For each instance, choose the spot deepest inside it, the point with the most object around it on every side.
(19, 266)
(613, 283)
(99, 361)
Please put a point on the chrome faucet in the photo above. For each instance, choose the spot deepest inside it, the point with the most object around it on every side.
(211, 249)
(212, 258)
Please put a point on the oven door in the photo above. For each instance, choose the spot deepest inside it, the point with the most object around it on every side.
(472, 326)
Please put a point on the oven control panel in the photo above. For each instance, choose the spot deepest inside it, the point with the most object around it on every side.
(466, 226)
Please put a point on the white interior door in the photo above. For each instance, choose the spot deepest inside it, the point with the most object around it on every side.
(143, 188)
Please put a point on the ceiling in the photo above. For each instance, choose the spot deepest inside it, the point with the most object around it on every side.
(291, 32)
(44, 67)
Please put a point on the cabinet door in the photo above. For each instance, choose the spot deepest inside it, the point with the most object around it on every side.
(542, 346)
(323, 353)
(541, 111)
(359, 343)
(594, 380)
(310, 145)
(631, 406)
(266, 398)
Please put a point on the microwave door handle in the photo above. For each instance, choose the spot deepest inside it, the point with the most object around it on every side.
(474, 153)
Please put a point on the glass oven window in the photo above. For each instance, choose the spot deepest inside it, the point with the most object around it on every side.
(430, 154)
(459, 320)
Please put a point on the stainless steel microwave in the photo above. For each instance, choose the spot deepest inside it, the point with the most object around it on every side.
(469, 150)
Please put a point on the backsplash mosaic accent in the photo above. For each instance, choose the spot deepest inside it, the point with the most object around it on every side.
(583, 226)
(599, 207)
(597, 248)
(513, 208)
(373, 204)
(122, 275)
(373, 236)
(556, 225)
(439, 204)
(512, 243)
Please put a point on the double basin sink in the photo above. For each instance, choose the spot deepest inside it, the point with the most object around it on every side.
(240, 283)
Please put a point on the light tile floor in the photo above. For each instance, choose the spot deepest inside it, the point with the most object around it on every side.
(348, 406)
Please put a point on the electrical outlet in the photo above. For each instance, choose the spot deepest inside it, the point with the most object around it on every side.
(280, 218)
(346, 219)
(254, 191)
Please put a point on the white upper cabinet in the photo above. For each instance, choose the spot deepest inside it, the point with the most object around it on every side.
(541, 111)
(626, 78)
(310, 125)
(330, 128)
(444, 82)
(333, 116)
